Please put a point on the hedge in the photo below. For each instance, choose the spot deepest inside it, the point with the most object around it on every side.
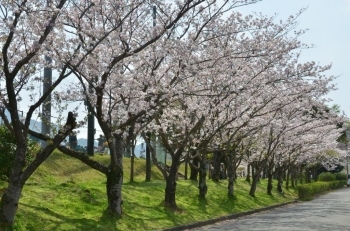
(327, 176)
(307, 191)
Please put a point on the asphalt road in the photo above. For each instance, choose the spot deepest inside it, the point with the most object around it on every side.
(327, 212)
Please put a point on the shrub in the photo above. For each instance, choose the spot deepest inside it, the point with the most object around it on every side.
(7, 152)
(340, 176)
(326, 176)
(307, 191)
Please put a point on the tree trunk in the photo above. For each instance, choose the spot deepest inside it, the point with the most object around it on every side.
(269, 182)
(257, 166)
(148, 158)
(253, 170)
(292, 177)
(9, 204)
(202, 184)
(132, 162)
(254, 184)
(128, 149)
(216, 164)
(248, 173)
(10, 199)
(115, 177)
(279, 179)
(231, 175)
(265, 173)
(194, 170)
(170, 189)
(186, 169)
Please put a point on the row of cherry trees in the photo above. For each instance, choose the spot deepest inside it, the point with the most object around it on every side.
(197, 73)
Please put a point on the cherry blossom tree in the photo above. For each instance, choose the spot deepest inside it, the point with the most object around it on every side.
(223, 84)
(192, 73)
(91, 40)
(126, 65)
(27, 34)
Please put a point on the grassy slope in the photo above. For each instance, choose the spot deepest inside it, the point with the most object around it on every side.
(64, 194)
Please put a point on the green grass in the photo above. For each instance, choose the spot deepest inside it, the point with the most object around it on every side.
(64, 194)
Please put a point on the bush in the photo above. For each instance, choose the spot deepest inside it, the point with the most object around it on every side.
(7, 152)
(341, 176)
(307, 191)
(326, 176)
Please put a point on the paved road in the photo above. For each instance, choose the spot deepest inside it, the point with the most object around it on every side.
(326, 213)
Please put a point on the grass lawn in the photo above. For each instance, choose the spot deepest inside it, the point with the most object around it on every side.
(64, 194)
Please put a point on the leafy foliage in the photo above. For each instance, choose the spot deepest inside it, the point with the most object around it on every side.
(326, 176)
(8, 148)
(340, 176)
(307, 191)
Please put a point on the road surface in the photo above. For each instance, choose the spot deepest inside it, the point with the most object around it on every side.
(325, 213)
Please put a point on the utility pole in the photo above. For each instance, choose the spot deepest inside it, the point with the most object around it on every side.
(46, 107)
(148, 134)
(91, 128)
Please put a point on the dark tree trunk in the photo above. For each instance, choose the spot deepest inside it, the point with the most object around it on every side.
(248, 173)
(216, 164)
(253, 170)
(265, 173)
(194, 169)
(292, 177)
(132, 163)
(148, 158)
(270, 175)
(186, 167)
(231, 175)
(279, 179)
(258, 166)
(10, 199)
(202, 184)
(224, 171)
(254, 184)
(269, 183)
(128, 149)
(115, 177)
(9, 203)
(170, 190)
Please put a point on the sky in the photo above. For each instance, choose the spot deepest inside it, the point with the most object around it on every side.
(329, 30)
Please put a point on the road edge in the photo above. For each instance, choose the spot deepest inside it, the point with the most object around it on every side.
(227, 217)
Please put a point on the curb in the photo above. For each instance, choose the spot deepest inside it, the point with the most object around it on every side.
(227, 217)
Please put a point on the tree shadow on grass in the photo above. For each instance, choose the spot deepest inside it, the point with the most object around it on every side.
(162, 214)
(57, 221)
